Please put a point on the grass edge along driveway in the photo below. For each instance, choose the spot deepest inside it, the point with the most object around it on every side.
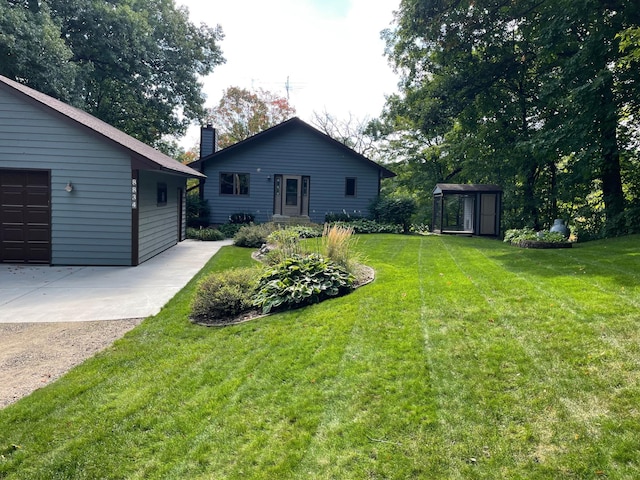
(466, 358)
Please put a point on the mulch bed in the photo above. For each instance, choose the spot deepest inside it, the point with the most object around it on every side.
(364, 275)
(541, 244)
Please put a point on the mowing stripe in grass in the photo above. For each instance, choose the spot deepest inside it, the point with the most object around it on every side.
(457, 362)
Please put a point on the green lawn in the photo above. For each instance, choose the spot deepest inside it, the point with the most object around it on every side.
(466, 358)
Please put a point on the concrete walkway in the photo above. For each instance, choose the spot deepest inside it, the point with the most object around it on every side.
(77, 294)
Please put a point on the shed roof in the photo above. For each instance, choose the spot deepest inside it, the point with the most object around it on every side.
(150, 157)
(442, 188)
(283, 127)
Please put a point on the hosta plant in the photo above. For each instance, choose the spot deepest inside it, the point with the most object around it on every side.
(301, 280)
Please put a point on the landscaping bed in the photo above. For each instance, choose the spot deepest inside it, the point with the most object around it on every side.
(541, 244)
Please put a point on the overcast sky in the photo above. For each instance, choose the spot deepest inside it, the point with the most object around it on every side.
(329, 52)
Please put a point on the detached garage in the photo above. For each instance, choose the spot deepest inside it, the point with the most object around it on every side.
(77, 191)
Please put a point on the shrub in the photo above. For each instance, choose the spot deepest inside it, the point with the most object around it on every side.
(229, 230)
(301, 280)
(222, 296)
(338, 242)
(253, 236)
(341, 217)
(241, 218)
(205, 234)
(307, 231)
(198, 211)
(397, 210)
(518, 235)
(364, 225)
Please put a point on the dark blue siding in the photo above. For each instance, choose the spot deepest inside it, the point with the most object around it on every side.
(294, 152)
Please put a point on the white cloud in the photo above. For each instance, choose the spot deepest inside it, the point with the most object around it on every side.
(332, 55)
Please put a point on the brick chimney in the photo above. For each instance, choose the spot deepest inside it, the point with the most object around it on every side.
(208, 140)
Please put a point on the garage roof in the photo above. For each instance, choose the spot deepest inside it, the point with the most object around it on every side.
(151, 157)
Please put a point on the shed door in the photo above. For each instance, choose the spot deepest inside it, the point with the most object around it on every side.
(25, 216)
(488, 204)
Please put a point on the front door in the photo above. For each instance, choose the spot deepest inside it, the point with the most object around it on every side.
(291, 195)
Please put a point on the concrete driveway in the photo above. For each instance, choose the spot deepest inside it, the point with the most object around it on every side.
(76, 294)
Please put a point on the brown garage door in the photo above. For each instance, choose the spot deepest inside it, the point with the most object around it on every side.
(25, 216)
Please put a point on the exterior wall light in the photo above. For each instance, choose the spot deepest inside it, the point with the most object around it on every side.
(69, 187)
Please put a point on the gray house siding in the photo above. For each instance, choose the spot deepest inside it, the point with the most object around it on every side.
(158, 222)
(294, 152)
(91, 224)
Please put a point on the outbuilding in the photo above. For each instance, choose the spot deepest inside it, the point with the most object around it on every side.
(472, 209)
(77, 191)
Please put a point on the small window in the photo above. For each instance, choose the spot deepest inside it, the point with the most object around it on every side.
(350, 187)
(234, 184)
(162, 194)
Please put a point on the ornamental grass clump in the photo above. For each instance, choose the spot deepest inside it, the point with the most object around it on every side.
(301, 280)
(338, 245)
(283, 244)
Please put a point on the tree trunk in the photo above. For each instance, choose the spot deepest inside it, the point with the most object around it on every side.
(610, 174)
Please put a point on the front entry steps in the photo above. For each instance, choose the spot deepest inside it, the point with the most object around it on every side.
(291, 219)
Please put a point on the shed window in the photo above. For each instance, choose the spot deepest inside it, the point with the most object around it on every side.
(350, 187)
(234, 184)
(162, 194)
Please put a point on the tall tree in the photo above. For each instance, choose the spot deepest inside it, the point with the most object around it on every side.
(532, 87)
(242, 113)
(468, 76)
(32, 50)
(140, 61)
(132, 63)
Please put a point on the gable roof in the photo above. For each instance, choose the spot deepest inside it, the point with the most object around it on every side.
(283, 127)
(150, 157)
(466, 188)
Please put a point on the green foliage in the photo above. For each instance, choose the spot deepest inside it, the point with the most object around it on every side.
(229, 230)
(286, 243)
(205, 234)
(241, 218)
(341, 217)
(32, 50)
(301, 280)
(198, 211)
(515, 236)
(224, 295)
(364, 225)
(465, 359)
(253, 235)
(135, 64)
(307, 231)
(394, 209)
(534, 96)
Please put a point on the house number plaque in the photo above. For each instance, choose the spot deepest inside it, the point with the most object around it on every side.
(134, 193)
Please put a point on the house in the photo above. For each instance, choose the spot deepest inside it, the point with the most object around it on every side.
(77, 191)
(290, 171)
(472, 209)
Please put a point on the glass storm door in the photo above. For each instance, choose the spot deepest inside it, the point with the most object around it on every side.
(292, 195)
